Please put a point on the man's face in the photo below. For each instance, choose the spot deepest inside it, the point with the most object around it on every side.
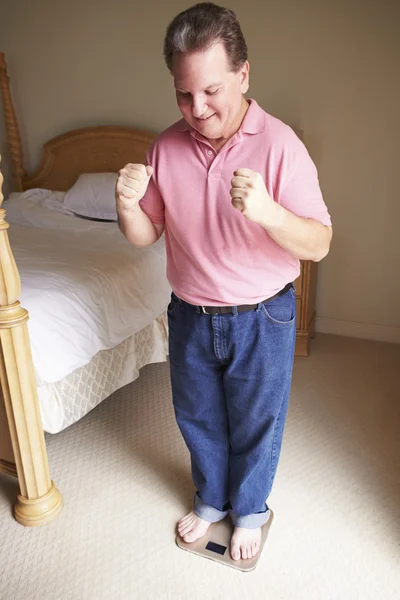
(209, 95)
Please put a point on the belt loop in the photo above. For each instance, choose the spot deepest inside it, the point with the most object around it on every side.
(234, 311)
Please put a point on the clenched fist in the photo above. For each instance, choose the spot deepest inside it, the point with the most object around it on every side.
(131, 185)
(250, 196)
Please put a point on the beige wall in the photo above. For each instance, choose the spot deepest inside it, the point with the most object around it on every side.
(329, 67)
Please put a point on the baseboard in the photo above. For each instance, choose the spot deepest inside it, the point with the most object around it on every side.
(378, 333)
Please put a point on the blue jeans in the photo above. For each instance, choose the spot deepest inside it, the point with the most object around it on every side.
(231, 377)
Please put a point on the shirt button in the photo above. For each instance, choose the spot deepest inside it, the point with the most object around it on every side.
(209, 152)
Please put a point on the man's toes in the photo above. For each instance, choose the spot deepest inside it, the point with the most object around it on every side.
(188, 517)
(185, 523)
(182, 526)
(184, 530)
(185, 520)
(235, 552)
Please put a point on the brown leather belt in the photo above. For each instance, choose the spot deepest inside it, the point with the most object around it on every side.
(226, 310)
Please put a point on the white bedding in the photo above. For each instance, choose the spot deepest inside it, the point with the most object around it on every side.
(90, 293)
(66, 401)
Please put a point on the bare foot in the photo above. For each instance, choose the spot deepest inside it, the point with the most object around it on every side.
(245, 543)
(191, 527)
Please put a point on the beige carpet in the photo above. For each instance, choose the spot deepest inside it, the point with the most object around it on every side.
(124, 474)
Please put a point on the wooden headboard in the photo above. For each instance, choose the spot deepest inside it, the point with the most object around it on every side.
(65, 157)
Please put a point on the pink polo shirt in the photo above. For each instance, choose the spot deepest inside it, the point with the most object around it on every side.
(215, 256)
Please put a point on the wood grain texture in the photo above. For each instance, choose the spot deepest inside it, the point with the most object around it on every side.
(13, 136)
(89, 150)
(39, 500)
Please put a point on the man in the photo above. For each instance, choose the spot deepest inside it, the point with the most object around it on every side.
(239, 199)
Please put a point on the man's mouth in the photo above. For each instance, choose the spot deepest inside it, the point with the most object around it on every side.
(205, 119)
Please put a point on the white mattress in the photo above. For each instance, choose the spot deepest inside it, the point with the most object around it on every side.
(90, 292)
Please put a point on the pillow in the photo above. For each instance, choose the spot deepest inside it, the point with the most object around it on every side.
(93, 196)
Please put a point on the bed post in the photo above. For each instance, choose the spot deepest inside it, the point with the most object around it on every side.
(39, 501)
(13, 137)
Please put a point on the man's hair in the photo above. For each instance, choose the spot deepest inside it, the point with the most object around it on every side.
(200, 27)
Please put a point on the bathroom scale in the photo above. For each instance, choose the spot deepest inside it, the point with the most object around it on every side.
(215, 544)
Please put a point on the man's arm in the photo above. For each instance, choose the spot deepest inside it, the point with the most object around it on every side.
(137, 227)
(130, 188)
(306, 239)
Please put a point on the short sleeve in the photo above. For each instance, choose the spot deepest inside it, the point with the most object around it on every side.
(300, 191)
(152, 202)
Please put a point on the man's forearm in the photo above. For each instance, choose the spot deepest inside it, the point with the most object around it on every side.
(305, 239)
(137, 227)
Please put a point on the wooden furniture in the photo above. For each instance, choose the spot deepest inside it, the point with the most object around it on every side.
(306, 287)
(22, 442)
(65, 157)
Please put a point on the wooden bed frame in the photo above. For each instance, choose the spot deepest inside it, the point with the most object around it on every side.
(22, 443)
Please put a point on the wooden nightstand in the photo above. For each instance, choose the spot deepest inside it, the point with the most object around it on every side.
(306, 288)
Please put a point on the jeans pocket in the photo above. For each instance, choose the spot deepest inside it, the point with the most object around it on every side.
(281, 310)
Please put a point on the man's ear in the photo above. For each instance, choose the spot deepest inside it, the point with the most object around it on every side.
(244, 77)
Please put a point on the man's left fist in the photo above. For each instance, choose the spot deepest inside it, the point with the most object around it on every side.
(250, 196)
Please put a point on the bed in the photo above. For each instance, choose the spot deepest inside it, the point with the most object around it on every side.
(96, 304)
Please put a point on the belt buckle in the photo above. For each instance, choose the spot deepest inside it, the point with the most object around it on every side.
(203, 308)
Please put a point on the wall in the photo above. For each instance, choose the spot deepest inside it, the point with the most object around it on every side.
(328, 67)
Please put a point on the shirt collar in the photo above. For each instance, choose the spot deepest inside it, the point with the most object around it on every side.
(255, 120)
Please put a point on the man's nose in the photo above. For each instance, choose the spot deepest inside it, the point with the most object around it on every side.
(199, 107)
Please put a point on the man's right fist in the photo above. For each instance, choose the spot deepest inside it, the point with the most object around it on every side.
(131, 185)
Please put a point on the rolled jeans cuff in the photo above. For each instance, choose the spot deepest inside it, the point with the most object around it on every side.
(250, 521)
(206, 512)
